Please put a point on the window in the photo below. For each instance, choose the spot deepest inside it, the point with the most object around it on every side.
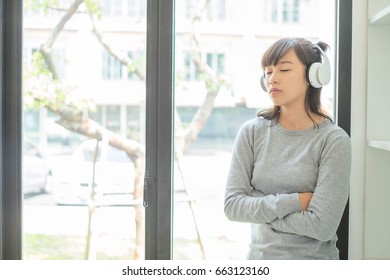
(113, 8)
(136, 8)
(113, 118)
(216, 61)
(216, 10)
(285, 11)
(291, 11)
(191, 72)
(91, 102)
(112, 67)
(125, 8)
(221, 92)
(190, 8)
(136, 64)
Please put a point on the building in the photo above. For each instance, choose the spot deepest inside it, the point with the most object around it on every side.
(232, 36)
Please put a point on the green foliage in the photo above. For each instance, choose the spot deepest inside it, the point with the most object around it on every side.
(137, 65)
(71, 247)
(39, 64)
(53, 247)
(41, 90)
(37, 80)
(40, 5)
(37, 6)
(94, 7)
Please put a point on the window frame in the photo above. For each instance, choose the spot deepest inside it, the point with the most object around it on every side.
(159, 129)
(11, 130)
(343, 97)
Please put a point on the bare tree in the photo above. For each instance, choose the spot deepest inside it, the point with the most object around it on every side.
(75, 118)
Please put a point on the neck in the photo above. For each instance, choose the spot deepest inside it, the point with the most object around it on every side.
(297, 119)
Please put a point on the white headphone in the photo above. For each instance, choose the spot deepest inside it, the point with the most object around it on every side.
(318, 73)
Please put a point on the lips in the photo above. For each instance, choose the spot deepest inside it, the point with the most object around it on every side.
(274, 90)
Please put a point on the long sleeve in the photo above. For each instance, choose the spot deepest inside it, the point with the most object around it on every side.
(270, 166)
(243, 203)
(325, 210)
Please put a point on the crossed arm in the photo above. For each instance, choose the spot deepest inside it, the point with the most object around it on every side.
(316, 214)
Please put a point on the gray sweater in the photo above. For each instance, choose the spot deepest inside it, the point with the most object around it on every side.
(270, 165)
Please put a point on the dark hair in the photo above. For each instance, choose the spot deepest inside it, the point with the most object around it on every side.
(307, 53)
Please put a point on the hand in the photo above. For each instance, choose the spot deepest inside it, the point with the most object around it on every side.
(305, 199)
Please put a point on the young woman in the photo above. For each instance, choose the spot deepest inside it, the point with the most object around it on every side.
(290, 167)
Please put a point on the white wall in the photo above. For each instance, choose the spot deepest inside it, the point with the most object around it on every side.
(358, 128)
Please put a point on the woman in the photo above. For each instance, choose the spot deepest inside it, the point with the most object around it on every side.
(290, 168)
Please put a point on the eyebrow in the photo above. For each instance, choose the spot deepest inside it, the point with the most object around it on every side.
(281, 62)
(285, 62)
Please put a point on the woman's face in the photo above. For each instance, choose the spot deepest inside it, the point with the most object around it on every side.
(286, 81)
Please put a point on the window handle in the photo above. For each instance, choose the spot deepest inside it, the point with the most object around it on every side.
(147, 179)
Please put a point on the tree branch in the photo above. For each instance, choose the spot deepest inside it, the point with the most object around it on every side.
(124, 59)
(46, 47)
(213, 81)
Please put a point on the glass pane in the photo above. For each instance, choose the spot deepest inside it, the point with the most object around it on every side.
(219, 44)
(83, 121)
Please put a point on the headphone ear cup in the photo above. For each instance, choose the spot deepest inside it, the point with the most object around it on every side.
(318, 73)
(324, 70)
(262, 83)
(312, 75)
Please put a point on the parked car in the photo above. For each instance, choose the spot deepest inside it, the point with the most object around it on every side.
(37, 175)
(75, 174)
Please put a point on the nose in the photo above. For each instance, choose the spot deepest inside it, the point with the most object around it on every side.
(273, 78)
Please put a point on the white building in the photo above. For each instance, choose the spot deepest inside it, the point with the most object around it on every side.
(232, 37)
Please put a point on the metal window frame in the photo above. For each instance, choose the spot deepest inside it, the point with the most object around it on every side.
(343, 103)
(11, 16)
(159, 129)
